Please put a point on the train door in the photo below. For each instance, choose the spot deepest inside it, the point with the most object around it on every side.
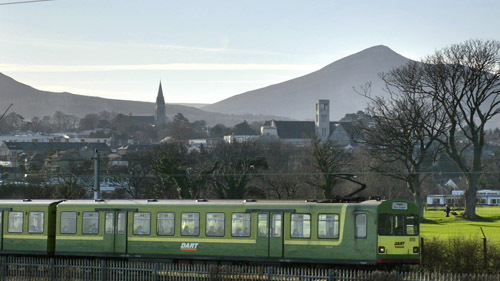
(116, 229)
(276, 237)
(269, 235)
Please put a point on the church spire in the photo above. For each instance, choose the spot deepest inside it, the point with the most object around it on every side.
(160, 111)
(159, 98)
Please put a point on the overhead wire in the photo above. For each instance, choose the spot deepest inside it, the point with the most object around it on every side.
(24, 2)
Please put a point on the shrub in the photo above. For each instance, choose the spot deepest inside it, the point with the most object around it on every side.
(460, 255)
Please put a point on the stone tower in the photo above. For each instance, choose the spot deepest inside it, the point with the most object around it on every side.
(322, 122)
(160, 113)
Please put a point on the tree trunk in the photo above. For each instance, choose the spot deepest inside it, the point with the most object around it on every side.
(470, 196)
(327, 193)
(414, 186)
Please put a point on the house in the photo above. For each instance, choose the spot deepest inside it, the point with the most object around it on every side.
(137, 148)
(11, 174)
(65, 161)
(456, 198)
(240, 138)
(18, 152)
(116, 159)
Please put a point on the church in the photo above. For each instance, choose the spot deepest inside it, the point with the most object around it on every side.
(160, 115)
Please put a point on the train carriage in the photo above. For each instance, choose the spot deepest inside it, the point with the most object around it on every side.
(370, 232)
(27, 226)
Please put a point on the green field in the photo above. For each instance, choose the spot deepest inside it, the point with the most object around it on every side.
(439, 226)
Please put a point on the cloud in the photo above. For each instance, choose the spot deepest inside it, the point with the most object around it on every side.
(142, 67)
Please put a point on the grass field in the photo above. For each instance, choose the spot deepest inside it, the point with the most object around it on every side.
(439, 226)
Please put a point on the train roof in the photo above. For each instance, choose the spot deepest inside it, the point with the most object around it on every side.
(210, 202)
(29, 201)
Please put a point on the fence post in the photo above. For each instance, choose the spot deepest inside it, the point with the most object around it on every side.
(155, 271)
(51, 269)
(485, 250)
(269, 273)
(103, 270)
(4, 267)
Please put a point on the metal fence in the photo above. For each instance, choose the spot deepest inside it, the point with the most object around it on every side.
(42, 268)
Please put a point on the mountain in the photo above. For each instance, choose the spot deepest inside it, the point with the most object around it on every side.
(30, 102)
(296, 98)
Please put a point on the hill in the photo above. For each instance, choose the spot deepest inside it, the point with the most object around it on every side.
(30, 102)
(295, 98)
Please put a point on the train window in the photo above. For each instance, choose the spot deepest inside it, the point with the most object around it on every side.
(215, 224)
(300, 226)
(385, 224)
(262, 225)
(399, 225)
(411, 225)
(360, 231)
(328, 226)
(109, 223)
(35, 222)
(190, 224)
(240, 224)
(165, 223)
(276, 225)
(15, 222)
(68, 222)
(142, 223)
(90, 223)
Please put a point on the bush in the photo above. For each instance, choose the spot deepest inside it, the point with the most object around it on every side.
(460, 255)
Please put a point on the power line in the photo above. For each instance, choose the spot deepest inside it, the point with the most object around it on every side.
(24, 2)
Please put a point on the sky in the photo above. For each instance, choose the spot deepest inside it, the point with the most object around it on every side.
(207, 51)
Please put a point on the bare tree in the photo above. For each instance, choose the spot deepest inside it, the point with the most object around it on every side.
(404, 129)
(464, 79)
(329, 160)
(236, 166)
(183, 170)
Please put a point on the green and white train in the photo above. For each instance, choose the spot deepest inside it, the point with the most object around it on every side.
(368, 233)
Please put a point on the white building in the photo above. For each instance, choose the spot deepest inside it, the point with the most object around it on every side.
(484, 197)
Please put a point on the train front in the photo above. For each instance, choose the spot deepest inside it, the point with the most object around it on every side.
(398, 239)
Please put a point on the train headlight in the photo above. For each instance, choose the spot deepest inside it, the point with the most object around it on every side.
(381, 250)
(415, 250)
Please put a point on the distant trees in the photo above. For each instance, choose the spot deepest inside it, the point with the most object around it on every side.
(244, 128)
(182, 171)
(89, 122)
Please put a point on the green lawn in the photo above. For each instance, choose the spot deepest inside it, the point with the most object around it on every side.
(438, 225)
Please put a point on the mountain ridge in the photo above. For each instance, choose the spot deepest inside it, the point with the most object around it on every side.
(30, 102)
(291, 98)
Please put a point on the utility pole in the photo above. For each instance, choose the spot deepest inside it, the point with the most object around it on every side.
(6, 111)
(97, 183)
